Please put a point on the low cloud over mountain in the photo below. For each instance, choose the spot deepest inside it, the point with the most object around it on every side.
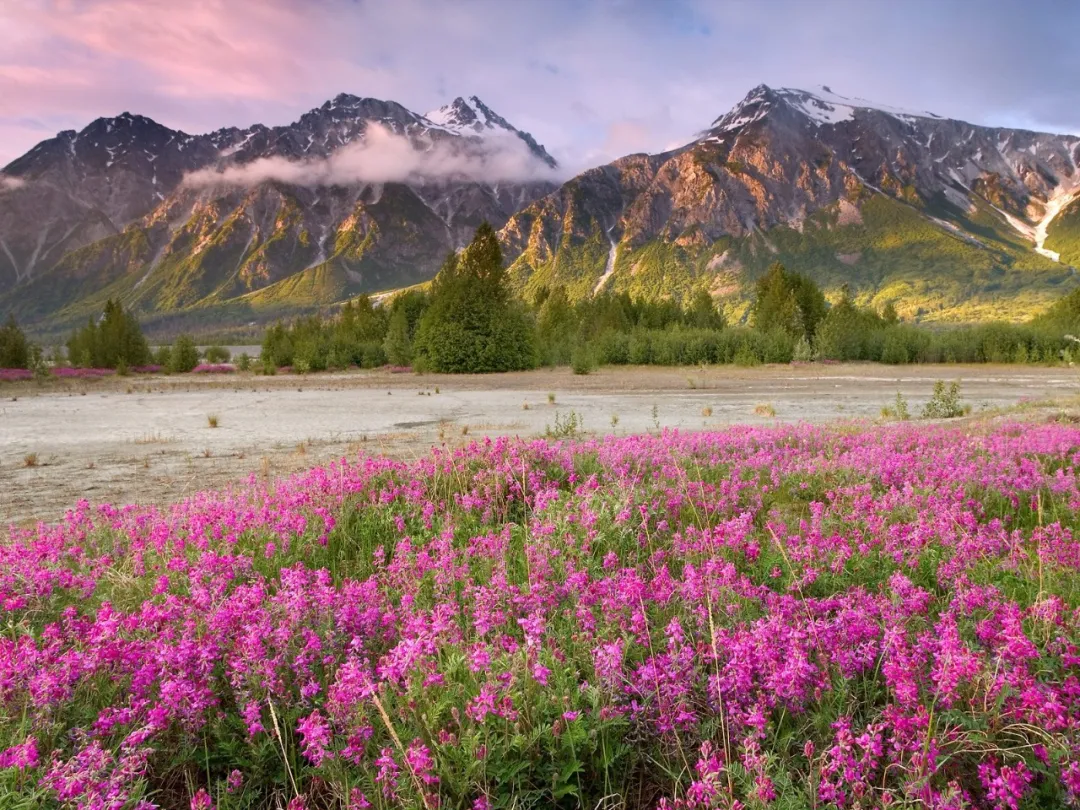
(386, 157)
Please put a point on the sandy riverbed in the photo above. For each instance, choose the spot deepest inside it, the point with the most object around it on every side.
(127, 440)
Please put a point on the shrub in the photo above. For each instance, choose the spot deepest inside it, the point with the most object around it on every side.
(945, 402)
(106, 342)
(398, 342)
(581, 361)
(567, 426)
(899, 409)
(163, 357)
(217, 354)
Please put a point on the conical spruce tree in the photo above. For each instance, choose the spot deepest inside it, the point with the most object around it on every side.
(472, 323)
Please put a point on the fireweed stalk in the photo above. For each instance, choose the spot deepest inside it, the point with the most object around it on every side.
(761, 617)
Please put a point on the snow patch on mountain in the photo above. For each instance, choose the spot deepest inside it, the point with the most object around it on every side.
(822, 106)
(1054, 206)
(469, 117)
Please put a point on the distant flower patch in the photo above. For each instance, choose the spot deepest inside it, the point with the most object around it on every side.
(68, 373)
(14, 374)
(214, 368)
(152, 369)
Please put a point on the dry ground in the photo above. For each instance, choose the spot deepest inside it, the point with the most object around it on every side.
(125, 440)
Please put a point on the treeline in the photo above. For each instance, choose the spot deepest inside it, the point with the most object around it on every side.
(468, 321)
(115, 340)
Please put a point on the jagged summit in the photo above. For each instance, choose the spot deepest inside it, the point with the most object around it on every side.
(472, 117)
(471, 114)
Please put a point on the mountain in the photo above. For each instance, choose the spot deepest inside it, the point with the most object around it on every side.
(358, 195)
(947, 220)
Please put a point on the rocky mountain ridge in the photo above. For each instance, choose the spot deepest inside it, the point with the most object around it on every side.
(946, 220)
(942, 217)
(169, 221)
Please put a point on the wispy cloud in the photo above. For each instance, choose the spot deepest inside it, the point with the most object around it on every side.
(10, 183)
(383, 156)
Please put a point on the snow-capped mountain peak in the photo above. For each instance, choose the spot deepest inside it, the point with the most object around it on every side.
(469, 116)
(823, 106)
(820, 105)
(473, 118)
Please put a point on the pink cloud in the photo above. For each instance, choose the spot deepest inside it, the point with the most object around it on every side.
(201, 48)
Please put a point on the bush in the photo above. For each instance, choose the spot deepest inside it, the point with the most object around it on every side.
(899, 409)
(581, 361)
(217, 354)
(163, 357)
(398, 343)
(945, 402)
(567, 426)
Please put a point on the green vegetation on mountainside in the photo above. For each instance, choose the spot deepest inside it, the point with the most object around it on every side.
(890, 252)
(1063, 235)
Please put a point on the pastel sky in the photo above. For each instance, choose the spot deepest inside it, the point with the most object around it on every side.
(591, 79)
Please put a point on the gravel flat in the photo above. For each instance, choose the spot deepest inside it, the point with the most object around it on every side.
(136, 439)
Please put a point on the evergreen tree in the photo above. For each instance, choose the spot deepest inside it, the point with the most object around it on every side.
(889, 314)
(556, 328)
(398, 345)
(184, 355)
(472, 325)
(115, 340)
(702, 312)
(787, 302)
(14, 348)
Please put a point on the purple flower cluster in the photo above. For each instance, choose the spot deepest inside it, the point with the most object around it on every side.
(798, 616)
(69, 373)
(214, 368)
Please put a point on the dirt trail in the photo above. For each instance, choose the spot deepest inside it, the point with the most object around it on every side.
(127, 440)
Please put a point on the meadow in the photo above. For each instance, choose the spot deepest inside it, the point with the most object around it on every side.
(790, 616)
